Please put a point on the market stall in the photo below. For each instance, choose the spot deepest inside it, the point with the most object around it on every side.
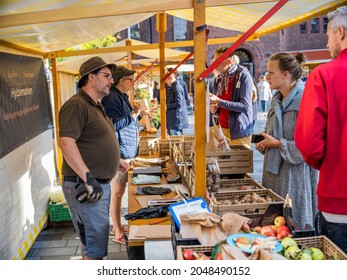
(46, 29)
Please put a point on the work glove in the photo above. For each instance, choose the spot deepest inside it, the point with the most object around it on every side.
(148, 213)
(156, 190)
(93, 187)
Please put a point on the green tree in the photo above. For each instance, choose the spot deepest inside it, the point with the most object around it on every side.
(102, 42)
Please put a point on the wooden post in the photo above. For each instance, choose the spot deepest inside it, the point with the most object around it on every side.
(161, 28)
(57, 106)
(199, 99)
(130, 56)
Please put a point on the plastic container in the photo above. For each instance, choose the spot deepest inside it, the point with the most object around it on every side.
(59, 212)
(179, 241)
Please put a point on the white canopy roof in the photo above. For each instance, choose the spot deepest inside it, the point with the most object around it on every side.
(50, 25)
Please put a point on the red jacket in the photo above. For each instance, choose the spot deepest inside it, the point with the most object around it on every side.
(321, 132)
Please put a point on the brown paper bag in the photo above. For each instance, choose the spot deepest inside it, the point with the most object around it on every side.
(217, 140)
(207, 227)
(233, 222)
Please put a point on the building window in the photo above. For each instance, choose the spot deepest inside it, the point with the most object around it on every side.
(303, 27)
(135, 32)
(315, 25)
(180, 29)
(325, 25)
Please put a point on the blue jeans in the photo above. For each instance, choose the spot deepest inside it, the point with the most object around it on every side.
(175, 132)
(336, 232)
(263, 105)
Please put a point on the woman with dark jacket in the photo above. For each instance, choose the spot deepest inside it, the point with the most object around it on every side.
(176, 112)
(125, 122)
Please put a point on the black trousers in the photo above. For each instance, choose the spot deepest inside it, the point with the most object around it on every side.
(336, 232)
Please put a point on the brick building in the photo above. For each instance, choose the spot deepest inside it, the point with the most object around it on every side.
(310, 35)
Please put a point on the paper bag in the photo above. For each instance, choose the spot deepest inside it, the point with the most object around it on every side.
(207, 227)
(217, 140)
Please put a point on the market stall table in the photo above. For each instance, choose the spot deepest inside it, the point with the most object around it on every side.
(137, 247)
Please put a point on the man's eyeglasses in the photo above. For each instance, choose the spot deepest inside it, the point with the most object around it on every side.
(130, 79)
(108, 76)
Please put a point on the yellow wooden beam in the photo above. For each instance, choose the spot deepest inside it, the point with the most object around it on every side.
(57, 106)
(162, 29)
(130, 48)
(199, 100)
(302, 18)
(19, 48)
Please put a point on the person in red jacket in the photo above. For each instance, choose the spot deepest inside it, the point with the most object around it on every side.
(321, 131)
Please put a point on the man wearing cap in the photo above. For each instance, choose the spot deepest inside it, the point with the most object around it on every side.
(91, 157)
(125, 122)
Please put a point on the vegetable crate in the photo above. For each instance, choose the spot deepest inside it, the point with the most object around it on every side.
(206, 249)
(148, 145)
(191, 182)
(228, 185)
(330, 249)
(274, 210)
(175, 146)
(239, 160)
(164, 147)
(242, 203)
(186, 145)
(176, 240)
(59, 212)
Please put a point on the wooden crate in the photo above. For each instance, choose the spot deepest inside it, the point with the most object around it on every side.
(186, 173)
(229, 185)
(148, 145)
(239, 160)
(330, 249)
(175, 141)
(186, 145)
(191, 182)
(164, 147)
(243, 209)
(176, 154)
(205, 249)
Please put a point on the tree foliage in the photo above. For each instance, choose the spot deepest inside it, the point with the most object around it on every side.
(102, 42)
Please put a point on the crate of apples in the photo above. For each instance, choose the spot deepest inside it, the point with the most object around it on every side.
(279, 229)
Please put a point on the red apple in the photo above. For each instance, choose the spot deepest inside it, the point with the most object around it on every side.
(188, 254)
(283, 229)
(267, 231)
(279, 221)
(282, 235)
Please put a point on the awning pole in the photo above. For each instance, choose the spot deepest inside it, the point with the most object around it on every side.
(144, 72)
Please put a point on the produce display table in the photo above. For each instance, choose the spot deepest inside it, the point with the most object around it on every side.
(133, 206)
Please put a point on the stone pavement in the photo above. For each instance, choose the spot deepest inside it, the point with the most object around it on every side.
(60, 242)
